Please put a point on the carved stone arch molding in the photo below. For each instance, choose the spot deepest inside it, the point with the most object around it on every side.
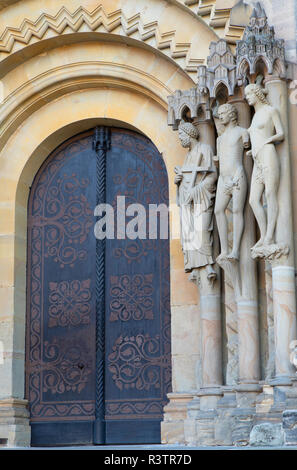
(165, 25)
(20, 161)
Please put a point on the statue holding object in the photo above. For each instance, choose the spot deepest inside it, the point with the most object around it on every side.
(196, 186)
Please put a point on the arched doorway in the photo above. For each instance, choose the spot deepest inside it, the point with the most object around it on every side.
(98, 365)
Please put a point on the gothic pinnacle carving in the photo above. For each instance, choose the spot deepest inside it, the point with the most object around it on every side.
(221, 68)
(259, 43)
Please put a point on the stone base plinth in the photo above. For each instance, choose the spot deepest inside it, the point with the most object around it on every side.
(205, 428)
(244, 415)
(290, 427)
(15, 429)
(240, 415)
(175, 414)
(191, 422)
(201, 417)
(242, 425)
(224, 421)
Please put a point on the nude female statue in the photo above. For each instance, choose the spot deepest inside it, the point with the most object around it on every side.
(265, 131)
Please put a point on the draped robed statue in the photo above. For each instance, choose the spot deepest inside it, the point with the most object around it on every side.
(196, 186)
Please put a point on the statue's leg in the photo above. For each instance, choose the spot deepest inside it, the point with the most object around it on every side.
(257, 190)
(272, 183)
(239, 198)
(222, 201)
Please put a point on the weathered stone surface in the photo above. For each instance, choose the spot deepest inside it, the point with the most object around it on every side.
(259, 42)
(290, 427)
(127, 83)
(242, 424)
(14, 423)
(267, 434)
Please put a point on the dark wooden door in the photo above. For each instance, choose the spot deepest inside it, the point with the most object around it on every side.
(98, 313)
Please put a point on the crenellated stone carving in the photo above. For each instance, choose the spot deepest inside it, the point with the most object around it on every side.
(181, 103)
(193, 104)
(259, 43)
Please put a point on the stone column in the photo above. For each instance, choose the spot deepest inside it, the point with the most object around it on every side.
(202, 411)
(211, 333)
(283, 269)
(284, 308)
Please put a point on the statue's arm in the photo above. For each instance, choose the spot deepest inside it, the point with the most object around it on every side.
(279, 136)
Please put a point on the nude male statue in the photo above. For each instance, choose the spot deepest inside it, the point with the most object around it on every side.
(232, 181)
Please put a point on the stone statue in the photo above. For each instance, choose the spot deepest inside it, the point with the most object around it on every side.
(232, 180)
(266, 130)
(196, 186)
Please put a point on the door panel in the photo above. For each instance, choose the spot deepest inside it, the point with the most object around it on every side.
(61, 302)
(61, 297)
(137, 299)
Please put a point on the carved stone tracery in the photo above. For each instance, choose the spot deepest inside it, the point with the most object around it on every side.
(259, 43)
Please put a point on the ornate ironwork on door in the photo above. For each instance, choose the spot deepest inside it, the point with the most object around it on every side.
(98, 314)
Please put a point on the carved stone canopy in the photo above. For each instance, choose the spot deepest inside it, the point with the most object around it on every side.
(258, 44)
(221, 68)
(196, 102)
(189, 104)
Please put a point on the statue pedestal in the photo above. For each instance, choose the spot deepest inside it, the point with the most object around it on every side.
(224, 422)
(201, 417)
(14, 423)
(244, 415)
(175, 414)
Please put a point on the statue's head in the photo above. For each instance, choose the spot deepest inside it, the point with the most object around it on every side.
(255, 94)
(186, 131)
(228, 113)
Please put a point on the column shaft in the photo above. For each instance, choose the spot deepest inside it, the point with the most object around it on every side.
(248, 338)
(211, 340)
(284, 308)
